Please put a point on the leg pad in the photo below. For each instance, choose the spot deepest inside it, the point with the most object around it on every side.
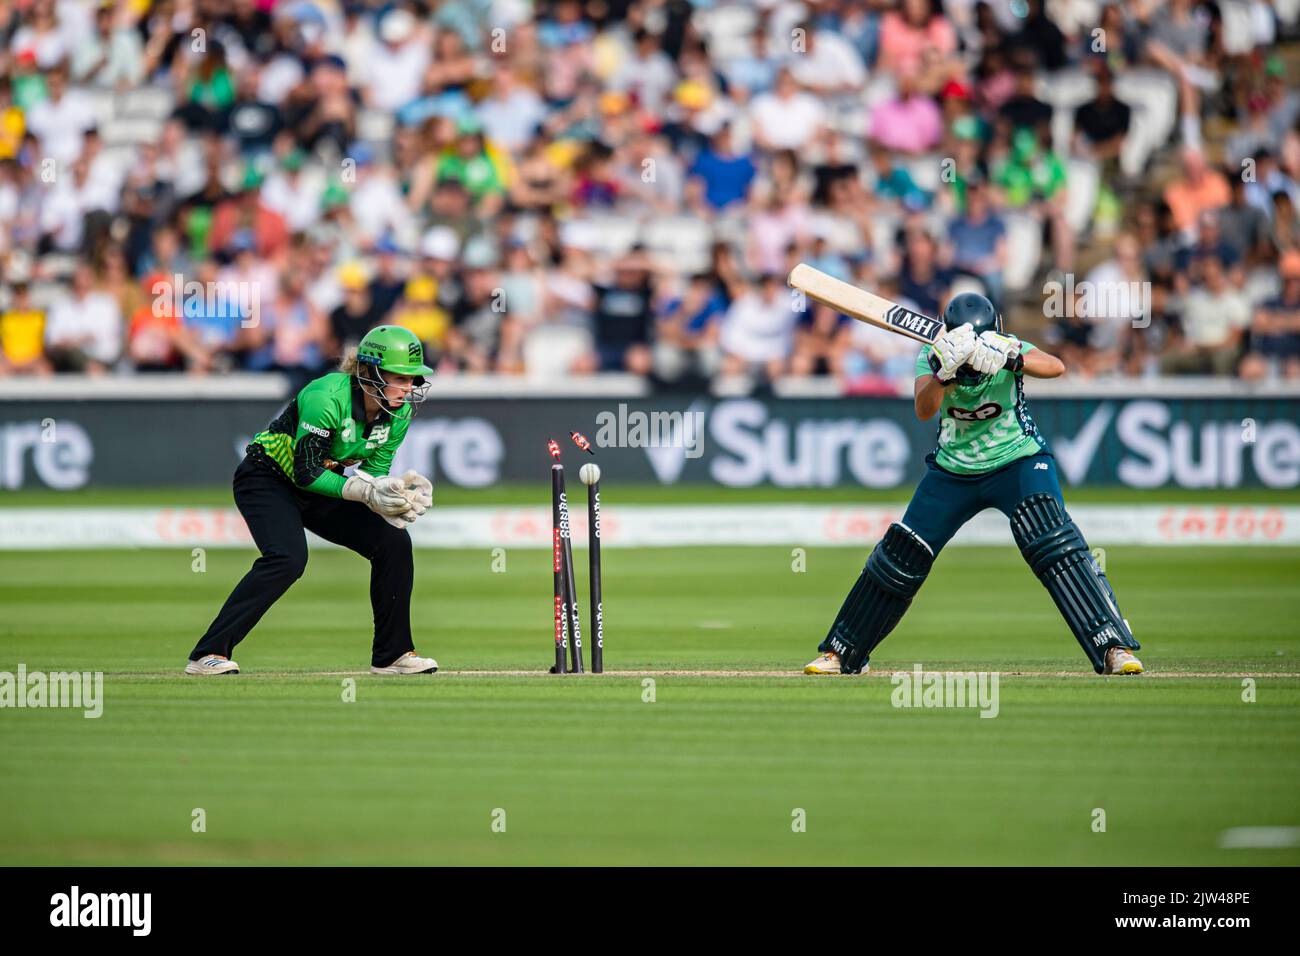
(1055, 551)
(893, 574)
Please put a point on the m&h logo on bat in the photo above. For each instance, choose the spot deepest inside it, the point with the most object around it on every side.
(902, 318)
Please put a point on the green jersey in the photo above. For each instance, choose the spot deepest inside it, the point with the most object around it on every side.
(323, 429)
(983, 427)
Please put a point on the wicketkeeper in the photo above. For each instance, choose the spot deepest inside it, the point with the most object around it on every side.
(292, 481)
(990, 455)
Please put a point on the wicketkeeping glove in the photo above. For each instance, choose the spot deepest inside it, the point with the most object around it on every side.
(418, 490)
(993, 352)
(951, 350)
(381, 495)
(404, 520)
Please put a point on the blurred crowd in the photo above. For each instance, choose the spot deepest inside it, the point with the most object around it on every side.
(566, 187)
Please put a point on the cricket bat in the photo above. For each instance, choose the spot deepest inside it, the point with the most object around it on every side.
(863, 305)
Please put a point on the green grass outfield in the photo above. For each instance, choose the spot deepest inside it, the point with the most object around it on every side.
(588, 772)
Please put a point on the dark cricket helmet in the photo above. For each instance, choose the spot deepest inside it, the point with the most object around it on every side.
(973, 308)
(983, 317)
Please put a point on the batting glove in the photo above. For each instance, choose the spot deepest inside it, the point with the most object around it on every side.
(994, 352)
(951, 350)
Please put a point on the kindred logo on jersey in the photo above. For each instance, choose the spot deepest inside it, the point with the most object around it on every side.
(316, 430)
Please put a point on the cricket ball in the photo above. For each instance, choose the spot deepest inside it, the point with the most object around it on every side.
(589, 474)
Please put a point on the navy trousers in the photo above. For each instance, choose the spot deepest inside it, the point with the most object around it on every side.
(943, 502)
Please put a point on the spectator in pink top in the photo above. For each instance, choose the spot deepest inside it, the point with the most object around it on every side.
(907, 122)
(777, 219)
(917, 42)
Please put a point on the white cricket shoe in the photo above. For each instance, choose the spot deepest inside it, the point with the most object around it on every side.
(1119, 660)
(408, 663)
(212, 665)
(828, 663)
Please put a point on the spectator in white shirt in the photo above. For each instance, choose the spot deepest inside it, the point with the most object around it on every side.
(786, 118)
(83, 331)
(647, 74)
(294, 193)
(511, 113)
(104, 175)
(1118, 299)
(65, 207)
(397, 65)
(758, 330)
(754, 72)
(1215, 317)
(112, 55)
(357, 43)
(828, 64)
(378, 207)
(61, 121)
(43, 36)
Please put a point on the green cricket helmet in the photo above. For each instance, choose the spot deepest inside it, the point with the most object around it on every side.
(398, 351)
(978, 311)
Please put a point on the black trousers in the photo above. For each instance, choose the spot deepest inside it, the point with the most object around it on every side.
(277, 514)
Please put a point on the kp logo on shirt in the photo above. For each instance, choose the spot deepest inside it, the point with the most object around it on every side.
(982, 414)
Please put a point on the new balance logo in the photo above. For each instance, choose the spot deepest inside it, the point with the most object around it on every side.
(1040, 466)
